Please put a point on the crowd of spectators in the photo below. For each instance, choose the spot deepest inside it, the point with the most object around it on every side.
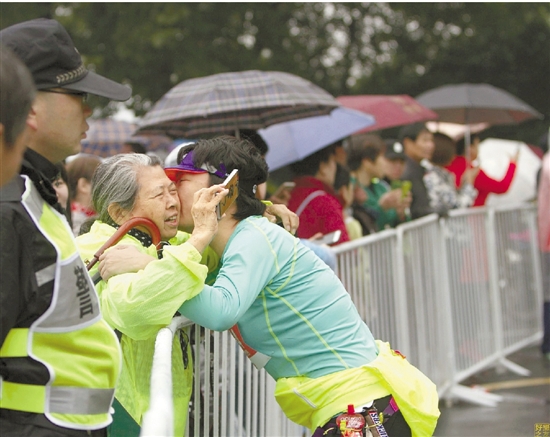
(392, 181)
(52, 313)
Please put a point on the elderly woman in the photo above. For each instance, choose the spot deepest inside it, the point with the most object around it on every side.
(140, 303)
(292, 310)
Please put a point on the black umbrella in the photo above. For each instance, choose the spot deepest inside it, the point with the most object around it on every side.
(469, 104)
(476, 103)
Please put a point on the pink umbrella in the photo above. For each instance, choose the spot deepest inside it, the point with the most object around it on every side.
(388, 110)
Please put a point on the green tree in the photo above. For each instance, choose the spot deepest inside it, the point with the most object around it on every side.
(504, 44)
(346, 48)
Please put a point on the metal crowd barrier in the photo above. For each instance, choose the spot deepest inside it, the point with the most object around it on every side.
(469, 292)
(159, 419)
(230, 396)
(495, 289)
(455, 295)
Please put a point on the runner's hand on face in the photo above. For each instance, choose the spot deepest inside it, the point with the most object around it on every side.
(204, 214)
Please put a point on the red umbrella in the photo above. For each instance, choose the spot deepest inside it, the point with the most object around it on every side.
(388, 110)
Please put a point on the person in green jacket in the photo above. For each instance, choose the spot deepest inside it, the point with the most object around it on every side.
(365, 160)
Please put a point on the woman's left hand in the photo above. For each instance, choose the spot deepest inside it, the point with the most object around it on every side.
(280, 213)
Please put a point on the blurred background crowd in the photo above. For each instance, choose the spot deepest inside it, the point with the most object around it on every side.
(379, 59)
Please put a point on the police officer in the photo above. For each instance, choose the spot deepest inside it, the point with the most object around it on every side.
(59, 360)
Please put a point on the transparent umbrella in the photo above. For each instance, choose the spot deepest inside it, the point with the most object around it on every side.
(494, 157)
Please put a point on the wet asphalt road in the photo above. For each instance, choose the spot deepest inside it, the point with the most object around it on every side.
(524, 411)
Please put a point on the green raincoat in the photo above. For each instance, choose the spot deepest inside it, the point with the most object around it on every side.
(140, 304)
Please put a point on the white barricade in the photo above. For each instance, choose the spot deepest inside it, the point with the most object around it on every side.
(367, 268)
(470, 294)
(518, 279)
(472, 311)
(454, 295)
(429, 326)
(230, 397)
(159, 419)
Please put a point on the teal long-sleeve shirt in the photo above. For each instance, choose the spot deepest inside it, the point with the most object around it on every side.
(289, 306)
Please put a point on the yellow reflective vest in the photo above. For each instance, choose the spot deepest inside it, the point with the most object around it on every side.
(79, 350)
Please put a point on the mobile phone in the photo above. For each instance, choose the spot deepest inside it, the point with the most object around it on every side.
(330, 238)
(232, 184)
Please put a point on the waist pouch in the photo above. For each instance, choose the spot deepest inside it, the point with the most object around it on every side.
(384, 408)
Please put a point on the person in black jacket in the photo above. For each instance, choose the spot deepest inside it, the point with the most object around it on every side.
(419, 145)
(59, 360)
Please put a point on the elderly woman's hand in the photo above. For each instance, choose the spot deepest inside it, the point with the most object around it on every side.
(122, 258)
(204, 215)
(280, 213)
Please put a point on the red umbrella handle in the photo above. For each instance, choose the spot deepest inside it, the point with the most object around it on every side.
(121, 231)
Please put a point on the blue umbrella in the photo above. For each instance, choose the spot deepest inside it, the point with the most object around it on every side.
(292, 141)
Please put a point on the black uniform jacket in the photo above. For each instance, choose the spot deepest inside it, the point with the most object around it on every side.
(23, 252)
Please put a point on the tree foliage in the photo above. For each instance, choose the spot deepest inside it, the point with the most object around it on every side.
(346, 48)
